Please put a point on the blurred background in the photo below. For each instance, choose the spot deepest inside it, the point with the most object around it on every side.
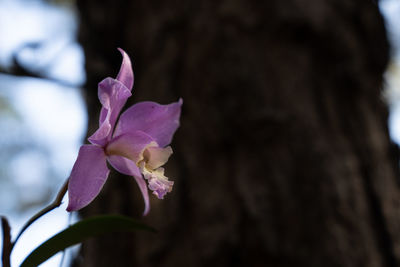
(43, 117)
(283, 157)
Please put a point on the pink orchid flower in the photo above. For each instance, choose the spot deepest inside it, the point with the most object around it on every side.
(136, 146)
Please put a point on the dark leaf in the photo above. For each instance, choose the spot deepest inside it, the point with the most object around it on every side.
(75, 234)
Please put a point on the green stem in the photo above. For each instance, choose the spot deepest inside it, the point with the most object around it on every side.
(56, 203)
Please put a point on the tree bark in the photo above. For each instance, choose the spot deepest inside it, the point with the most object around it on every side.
(283, 156)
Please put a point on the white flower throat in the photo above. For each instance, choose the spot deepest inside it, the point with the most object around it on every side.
(150, 162)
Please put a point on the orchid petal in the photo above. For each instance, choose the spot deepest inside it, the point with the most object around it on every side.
(88, 176)
(128, 167)
(125, 74)
(130, 145)
(112, 95)
(158, 121)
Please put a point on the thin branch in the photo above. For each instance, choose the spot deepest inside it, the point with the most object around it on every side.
(56, 203)
(7, 245)
(21, 72)
(18, 69)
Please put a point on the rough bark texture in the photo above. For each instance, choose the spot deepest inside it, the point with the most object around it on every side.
(283, 157)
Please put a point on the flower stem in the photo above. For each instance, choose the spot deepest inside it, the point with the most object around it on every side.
(7, 245)
(56, 203)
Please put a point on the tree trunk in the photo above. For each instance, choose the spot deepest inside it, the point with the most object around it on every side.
(283, 156)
